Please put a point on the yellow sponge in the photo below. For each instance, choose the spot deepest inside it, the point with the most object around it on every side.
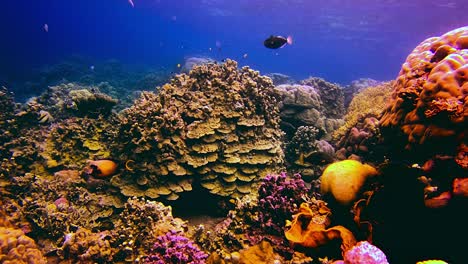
(344, 179)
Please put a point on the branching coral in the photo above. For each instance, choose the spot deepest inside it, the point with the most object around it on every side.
(138, 226)
(175, 248)
(217, 127)
(278, 199)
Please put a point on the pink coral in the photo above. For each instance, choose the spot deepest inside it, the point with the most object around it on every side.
(365, 253)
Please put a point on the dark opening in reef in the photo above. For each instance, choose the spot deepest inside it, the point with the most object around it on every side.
(199, 203)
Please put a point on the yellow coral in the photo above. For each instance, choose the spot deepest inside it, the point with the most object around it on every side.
(432, 262)
(344, 179)
(368, 102)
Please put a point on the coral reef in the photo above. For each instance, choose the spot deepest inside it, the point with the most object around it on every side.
(356, 87)
(278, 198)
(7, 115)
(216, 128)
(279, 78)
(308, 155)
(59, 203)
(302, 105)
(191, 62)
(137, 227)
(359, 136)
(343, 180)
(84, 246)
(71, 99)
(175, 248)
(70, 143)
(331, 95)
(428, 112)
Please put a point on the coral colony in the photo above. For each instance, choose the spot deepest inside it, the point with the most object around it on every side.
(294, 173)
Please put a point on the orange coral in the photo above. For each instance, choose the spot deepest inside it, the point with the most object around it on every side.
(16, 247)
(429, 101)
(309, 229)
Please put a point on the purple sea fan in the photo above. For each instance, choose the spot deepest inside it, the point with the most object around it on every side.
(176, 249)
(278, 199)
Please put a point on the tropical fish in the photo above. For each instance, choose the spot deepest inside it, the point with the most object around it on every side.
(44, 117)
(276, 42)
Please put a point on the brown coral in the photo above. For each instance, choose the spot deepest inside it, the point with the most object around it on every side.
(217, 127)
(428, 113)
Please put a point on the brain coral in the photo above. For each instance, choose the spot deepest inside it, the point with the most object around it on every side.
(428, 112)
(217, 127)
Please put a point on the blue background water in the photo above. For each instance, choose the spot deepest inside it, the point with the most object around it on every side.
(340, 40)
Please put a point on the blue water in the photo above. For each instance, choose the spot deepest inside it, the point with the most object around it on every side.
(339, 40)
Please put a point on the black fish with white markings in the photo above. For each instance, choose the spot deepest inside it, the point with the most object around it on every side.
(276, 42)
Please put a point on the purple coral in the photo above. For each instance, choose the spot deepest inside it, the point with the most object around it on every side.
(177, 249)
(278, 199)
(365, 253)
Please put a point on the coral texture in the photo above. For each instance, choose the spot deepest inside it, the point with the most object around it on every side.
(139, 224)
(359, 137)
(308, 155)
(175, 248)
(343, 180)
(365, 253)
(71, 99)
(356, 87)
(302, 105)
(56, 204)
(429, 109)
(84, 246)
(332, 96)
(278, 199)
(217, 127)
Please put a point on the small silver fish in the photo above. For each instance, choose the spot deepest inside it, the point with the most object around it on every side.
(46, 28)
(131, 3)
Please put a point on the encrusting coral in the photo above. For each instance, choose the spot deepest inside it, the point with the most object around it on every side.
(429, 108)
(217, 127)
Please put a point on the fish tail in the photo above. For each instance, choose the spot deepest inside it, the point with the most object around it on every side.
(289, 39)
